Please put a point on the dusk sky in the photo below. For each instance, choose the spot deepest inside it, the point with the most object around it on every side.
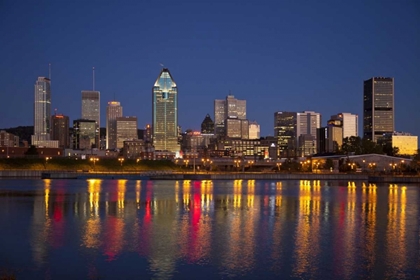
(277, 55)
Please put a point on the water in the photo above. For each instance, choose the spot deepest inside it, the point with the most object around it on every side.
(119, 229)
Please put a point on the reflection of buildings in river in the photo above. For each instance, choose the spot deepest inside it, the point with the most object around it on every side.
(92, 228)
(164, 230)
(396, 232)
(239, 227)
(307, 247)
(113, 232)
(41, 225)
(368, 236)
(345, 245)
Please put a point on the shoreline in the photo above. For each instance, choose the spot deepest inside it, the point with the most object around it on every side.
(171, 175)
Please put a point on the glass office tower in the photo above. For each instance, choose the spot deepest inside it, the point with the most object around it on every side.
(42, 110)
(378, 107)
(113, 111)
(165, 113)
(91, 109)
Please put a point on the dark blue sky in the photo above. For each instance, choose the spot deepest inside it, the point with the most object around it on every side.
(278, 55)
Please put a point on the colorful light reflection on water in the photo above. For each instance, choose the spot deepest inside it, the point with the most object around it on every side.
(208, 229)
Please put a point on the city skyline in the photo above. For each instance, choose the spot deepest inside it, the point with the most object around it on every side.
(299, 68)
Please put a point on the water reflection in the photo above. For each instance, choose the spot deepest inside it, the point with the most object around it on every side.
(307, 229)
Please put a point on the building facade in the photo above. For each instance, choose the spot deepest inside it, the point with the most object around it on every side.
(378, 107)
(91, 110)
(307, 123)
(165, 113)
(254, 130)
(114, 110)
(406, 143)
(285, 124)
(84, 134)
(8, 139)
(349, 123)
(42, 111)
(126, 130)
(329, 139)
(60, 130)
(207, 126)
(228, 108)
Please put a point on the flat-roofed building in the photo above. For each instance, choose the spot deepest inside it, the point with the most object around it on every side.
(406, 143)
(126, 130)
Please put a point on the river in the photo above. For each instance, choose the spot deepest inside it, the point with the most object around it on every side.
(247, 229)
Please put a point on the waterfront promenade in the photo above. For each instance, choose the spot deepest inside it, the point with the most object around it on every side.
(171, 175)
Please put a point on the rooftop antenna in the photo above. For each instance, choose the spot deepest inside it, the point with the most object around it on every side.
(55, 111)
(49, 71)
(93, 78)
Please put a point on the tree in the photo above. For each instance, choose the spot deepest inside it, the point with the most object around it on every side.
(389, 150)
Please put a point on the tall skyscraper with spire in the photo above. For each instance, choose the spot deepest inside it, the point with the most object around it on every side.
(165, 113)
(113, 111)
(42, 111)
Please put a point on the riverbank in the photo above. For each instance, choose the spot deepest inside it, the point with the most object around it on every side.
(170, 175)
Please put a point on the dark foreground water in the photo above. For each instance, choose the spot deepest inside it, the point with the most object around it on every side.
(118, 229)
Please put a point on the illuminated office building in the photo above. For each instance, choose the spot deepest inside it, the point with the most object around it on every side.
(229, 108)
(378, 107)
(349, 123)
(84, 134)
(91, 110)
(406, 143)
(113, 111)
(165, 113)
(254, 130)
(207, 126)
(60, 130)
(329, 139)
(285, 133)
(126, 130)
(42, 113)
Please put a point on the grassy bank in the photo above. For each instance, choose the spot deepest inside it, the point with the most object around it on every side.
(71, 164)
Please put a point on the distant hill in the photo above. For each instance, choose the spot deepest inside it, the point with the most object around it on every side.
(24, 132)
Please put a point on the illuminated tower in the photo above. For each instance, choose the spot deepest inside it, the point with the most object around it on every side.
(42, 110)
(378, 107)
(91, 109)
(113, 111)
(165, 113)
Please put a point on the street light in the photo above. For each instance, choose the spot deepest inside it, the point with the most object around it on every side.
(250, 162)
(121, 161)
(237, 162)
(278, 165)
(94, 161)
(46, 161)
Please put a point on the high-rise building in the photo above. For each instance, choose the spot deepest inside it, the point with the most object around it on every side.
(349, 123)
(329, 139)
(42, 110)
(254, 130)
(165, 113)
(285, 132)
(60, 130)
(126, 130)
(378, 107)
(84, 134)
(113, 111)
(207, 126)
(237, 128)
(307, 123)
(406, 143)
(91, 110)
(228, 108)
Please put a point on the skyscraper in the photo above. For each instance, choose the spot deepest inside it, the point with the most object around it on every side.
(113, 111)
(165, 113)
(42, 110)
(285, 132)
(349, 122)
(91, 110)
(84, 134)
(229, 108)
(126, 130)
(60, 130)
(207, 126)
(378, 107)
